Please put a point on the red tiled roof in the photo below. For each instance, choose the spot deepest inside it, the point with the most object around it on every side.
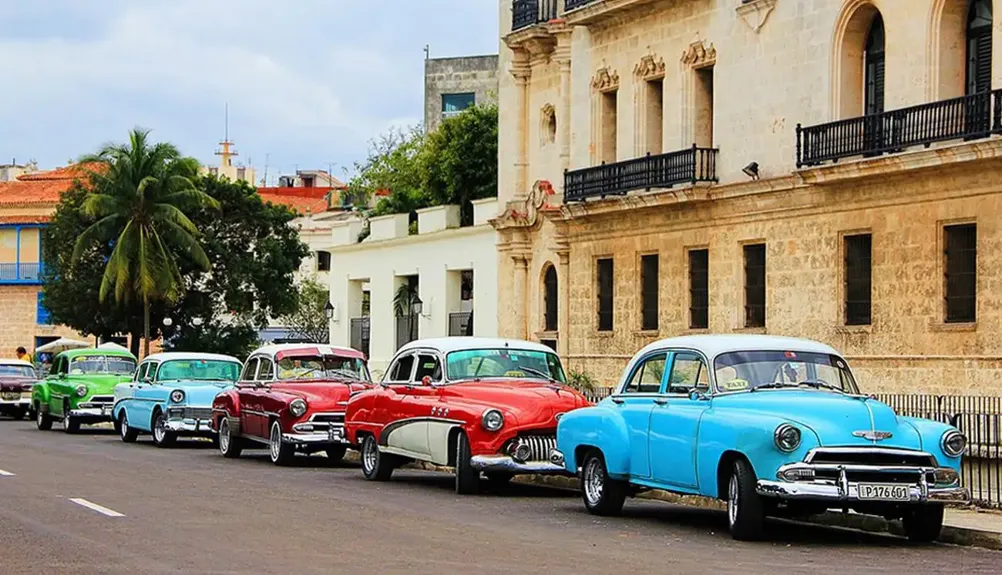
(41, 187)
(298, 200)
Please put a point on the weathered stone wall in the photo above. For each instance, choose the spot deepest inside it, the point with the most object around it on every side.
(476, 74)
(18, 322)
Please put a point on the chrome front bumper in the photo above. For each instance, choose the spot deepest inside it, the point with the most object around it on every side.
(842, 490)
(508, 464)
(203, 426)
(101, 412)
(19, 403)
(307, 438)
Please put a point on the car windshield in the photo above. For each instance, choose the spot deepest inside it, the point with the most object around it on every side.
(322, 367)
(199, 369)
(750, 370)
(16, 371)
(504, 363)
(102, 364)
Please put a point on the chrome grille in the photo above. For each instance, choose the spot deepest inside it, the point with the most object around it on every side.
(323, 421)
(102, 399)
(196, 413)
(540, 446)
(870, 456)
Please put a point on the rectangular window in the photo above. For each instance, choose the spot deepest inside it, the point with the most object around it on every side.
(323, 261)
(655, 116)
(704, 107)
(649, 292)
(961, 255)
(605, 283)
(858, 273)
(42, 313)
(609, 123)
(755, 285)
(699, 289)
(453, 104)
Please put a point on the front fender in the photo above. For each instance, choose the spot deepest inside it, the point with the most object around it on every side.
(930, 435)
(41, 393)
(225, 404)
(595, 427)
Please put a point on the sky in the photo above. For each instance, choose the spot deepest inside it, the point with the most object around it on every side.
(308, 83)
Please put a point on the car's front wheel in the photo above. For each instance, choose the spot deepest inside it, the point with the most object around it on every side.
(281, 453)
(70, 423)
(162, 437)
(42, 420)
(467, 478)
(923, 523)
(744, 506)
(229, 444)
(376, 465)
(128, 433)
(602, 494)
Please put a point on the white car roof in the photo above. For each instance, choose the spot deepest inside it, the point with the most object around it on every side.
(714, 345)
(169, 355)
(457, 343)
(323, 347)
(19, 362)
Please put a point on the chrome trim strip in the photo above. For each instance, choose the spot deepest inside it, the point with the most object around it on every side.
(190, 426)
(310, 438)
(846, 491)
(507, 464)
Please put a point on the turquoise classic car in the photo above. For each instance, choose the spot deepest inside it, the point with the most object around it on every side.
(774, 426)
(171, 395)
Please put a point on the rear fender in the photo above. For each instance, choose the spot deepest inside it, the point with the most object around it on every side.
(595, 428)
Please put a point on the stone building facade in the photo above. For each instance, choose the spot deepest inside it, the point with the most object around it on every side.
(453, 84)
(825, 169)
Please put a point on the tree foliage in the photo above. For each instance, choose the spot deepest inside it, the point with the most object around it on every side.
(309, 319)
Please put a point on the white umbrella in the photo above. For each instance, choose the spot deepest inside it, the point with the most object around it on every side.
(60, 345)
(112, 345)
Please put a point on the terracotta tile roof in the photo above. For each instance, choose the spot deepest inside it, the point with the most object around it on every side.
(298, 200)
(41, 188)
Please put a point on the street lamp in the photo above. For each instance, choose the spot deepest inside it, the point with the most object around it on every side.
(168, 321)
(196, 321)
(329, 311)
(417, 306)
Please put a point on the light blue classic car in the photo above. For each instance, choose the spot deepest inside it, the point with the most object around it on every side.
(775, 426)
(171, 395)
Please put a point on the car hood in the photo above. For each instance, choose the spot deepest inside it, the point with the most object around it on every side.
(98, 384)
(199, 393)
(837, 420)
(531, 403)
(15, 383)
(320, 396)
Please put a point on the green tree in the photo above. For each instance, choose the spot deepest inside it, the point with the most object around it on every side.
(392, 164)
(139, 193)
(309, 320)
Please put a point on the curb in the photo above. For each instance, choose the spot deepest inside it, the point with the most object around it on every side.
(963, 536)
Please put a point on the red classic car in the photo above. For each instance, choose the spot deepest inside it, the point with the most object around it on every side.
(289, 398)
(16, 381)
(480, 405)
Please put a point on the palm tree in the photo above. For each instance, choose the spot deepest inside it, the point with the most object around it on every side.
(140, 192)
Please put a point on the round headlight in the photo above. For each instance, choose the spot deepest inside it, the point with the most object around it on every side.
(81, 390)
(954, 443)
(298, 407)
(492, 420)
(787, 438)
(177, 396)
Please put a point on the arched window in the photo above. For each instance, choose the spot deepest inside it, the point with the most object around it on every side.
(550, 299)
(979, 47)
(873, 70)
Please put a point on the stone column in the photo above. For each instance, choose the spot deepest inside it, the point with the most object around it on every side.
(564, 302)
(521, 304)
(562, 55)
(522, 71)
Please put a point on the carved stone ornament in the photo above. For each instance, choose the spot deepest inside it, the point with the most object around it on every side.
(650, 68)
(698, 54)
(605, 80)
(755, 13)
(525, 212)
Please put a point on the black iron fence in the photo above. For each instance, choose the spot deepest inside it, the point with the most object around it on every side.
(360, 334)
(691, 165)
(964, 118)
(461, 323)
(525, 13)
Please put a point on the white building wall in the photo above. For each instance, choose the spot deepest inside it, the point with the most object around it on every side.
(381, 264)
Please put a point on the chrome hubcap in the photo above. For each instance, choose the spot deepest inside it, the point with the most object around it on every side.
(158, 429)
(224, 437)
(370, 455)
(276, 442)
(594, 480)
(124, 426)
(39, 416)
(732, 500)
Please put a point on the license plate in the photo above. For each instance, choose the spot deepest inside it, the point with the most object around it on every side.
(337, 434)
(883, 492)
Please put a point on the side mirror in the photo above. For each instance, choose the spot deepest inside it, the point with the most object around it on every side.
(426, 380)
(61, 375)
(697, 395)
(147, 380)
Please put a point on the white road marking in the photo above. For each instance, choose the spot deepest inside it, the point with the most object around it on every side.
(6, 473)
(96, 507)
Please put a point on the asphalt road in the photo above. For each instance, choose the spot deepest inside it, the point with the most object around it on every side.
(187, 510)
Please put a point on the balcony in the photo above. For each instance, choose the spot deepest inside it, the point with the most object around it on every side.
(575, 4)
(21, 273)
(964, 118)
(525, 13)
(649, 172)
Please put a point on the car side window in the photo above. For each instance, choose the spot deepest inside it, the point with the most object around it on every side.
(688, 372)
(64, 365)
(151, 371)
(429, 365)
(138, 376)
(401, 370)
(265, 371)
(249, 370)
(646, 377)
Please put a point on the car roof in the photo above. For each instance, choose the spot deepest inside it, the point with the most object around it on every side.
(713, 345)
(96, 351)
(20, 362)
(169, 355)
(457, 343)
(306, 348)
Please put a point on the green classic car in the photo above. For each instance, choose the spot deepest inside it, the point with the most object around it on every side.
(80, 388)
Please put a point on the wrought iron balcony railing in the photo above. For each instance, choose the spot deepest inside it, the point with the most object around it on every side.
(691, 165)
(21, 273)
(964, 118)
(525, 13)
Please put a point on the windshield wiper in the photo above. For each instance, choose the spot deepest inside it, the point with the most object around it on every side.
(817, 383)
(539, 373)
(773, 385)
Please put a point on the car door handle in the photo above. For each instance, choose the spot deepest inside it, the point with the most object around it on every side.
(661, 401)
(618, 400)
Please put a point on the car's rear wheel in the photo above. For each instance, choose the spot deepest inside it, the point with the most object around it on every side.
(923, 523)
(229, 444)
(745, 515)
(376, 465)
(602, 494)
(70, 423)
(162, 437)
(42, 420)
(336, 453)
(467, 478)
(128, 433)
(281, 453)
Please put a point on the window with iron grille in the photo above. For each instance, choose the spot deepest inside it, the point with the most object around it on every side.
(550, 299)
(755, 285)
(961, 255)
(699, 289)
(979, 47)
(858, 273)
(605, 282)
(649, 292)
